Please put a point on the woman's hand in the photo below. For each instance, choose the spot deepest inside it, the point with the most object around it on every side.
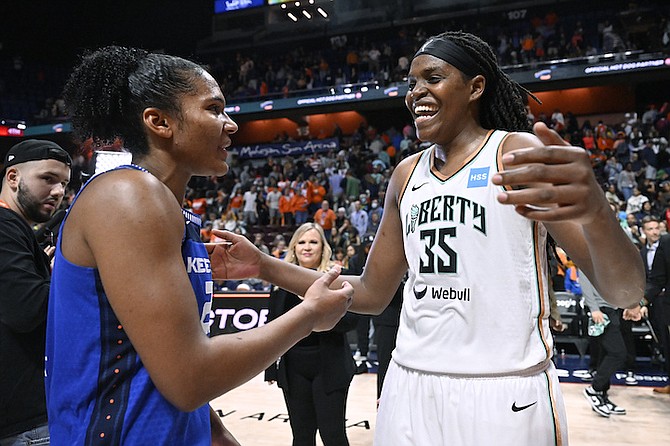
(555, 181)
(328, 305)
(233, 258)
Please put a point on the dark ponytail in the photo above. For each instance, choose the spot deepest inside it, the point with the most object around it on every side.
(107, 93)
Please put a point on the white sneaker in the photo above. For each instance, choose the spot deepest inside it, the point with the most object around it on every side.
(613, 408)
(630, 379)
(597, 400)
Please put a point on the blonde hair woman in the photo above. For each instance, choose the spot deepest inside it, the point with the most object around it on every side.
(314, 374)
(299, 238)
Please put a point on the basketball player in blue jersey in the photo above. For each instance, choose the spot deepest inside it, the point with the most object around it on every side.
(467, 218)
(128, 359)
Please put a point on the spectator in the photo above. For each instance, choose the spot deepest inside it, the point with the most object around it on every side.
(316, 192)
(373, 224)
(286, 207)
(352, 185)
(33, 185)
(236, 204)
(326, 218)
(300, 207)
(272, 199)
(250, 209)
(627, 181)
(606, 321)
(652, 234)
(657, 295)
(359, 218)
(612, 196)
(315, 374)
(340, 257)
(635, 201)
(260, 244)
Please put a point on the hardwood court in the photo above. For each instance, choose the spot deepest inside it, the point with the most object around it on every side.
(254, 413)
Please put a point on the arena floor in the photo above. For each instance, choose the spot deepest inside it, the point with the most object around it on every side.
(255, 412)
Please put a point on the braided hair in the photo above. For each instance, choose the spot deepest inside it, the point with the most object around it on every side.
(111, 87)
(502, 104)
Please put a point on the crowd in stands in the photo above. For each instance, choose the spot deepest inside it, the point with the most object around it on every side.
(383, 56)
(29, 91)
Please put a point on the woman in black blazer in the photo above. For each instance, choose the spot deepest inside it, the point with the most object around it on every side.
(316, 373)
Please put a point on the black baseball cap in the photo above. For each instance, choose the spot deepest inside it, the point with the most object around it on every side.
(35, 150)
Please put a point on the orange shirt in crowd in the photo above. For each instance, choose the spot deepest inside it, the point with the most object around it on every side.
(318, 193)
(285, 204)
(391, 151)
(299, 203)
(236, 202)
(589, 142)
(326, 219)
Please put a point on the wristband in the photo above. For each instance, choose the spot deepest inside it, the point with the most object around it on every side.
(643, 303)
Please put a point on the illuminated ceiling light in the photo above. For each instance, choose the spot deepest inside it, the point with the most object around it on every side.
(292, 17)
(306, 14)
(283, 6)
(297, 4)
(364, 89)
(311, 2)
(322, 12)
(347, 90)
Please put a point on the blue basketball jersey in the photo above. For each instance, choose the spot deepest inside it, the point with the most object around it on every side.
(98, 391)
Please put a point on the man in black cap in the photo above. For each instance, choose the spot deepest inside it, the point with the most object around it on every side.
(34, 178)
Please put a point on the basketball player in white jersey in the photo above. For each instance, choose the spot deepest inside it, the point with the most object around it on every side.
(468, 218)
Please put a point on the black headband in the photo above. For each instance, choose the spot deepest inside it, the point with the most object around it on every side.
(451, 53)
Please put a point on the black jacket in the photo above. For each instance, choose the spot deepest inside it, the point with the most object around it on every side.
(643, 253)
(25, 276)
(658, 282)
(337, 363)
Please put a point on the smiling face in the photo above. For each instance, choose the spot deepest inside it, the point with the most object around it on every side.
(308, 249)
(439, 98)
(203, 132)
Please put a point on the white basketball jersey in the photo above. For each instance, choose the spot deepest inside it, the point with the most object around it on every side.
(476, 298)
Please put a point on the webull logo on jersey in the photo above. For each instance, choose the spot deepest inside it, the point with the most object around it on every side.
(478, 177)
(198, 265)
(443, 293)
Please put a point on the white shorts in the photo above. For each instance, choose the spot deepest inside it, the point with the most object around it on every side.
(419, 409)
